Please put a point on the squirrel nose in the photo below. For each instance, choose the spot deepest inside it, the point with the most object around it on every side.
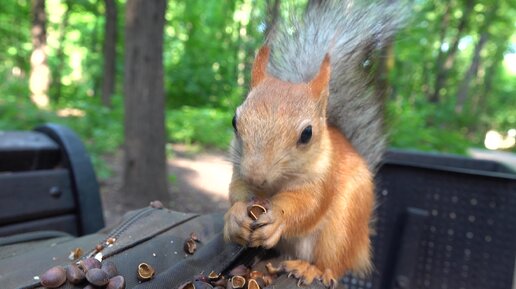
(254, 172)
(256, 180)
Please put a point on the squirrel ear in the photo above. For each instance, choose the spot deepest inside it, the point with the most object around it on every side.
(260, 66)
(319, 84)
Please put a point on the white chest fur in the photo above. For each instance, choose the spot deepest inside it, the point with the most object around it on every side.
(299, 248)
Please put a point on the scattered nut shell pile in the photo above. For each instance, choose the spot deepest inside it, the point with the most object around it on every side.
(240, 277)
(99, 275)
(105, 275)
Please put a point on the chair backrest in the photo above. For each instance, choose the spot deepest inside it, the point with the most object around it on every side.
(443, 222)
(47, 182)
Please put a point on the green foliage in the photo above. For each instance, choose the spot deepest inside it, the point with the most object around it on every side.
(425, 127)
(209, 46)
(15, 42)
(423, 51)
(208, 126)
(206, 44)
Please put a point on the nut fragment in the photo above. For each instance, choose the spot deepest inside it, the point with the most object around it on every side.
(255, 274)
(54, 277)
(213, 276)
(187, 285)
(194, 237)
(74, 275)
(117, 282)
(156, 204)
(110, 268)
(111, 241)
(255, 210)
(145, 272)
(75, 254)
(238, 281)
(89, 263)
(97, 277)
(190, 246)
(252, 284)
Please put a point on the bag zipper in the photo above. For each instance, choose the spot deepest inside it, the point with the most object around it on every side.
(114, 234)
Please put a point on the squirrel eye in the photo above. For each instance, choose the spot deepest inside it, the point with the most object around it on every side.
(306, 135)
(233, 122)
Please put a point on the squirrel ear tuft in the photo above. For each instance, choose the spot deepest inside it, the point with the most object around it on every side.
(260, 66)
(319, 84)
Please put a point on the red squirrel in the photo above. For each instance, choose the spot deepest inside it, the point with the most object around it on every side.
(308, 138)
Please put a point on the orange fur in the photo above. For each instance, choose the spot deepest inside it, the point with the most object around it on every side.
(321, 193)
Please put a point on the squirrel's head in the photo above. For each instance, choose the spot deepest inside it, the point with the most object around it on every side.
(281, 136)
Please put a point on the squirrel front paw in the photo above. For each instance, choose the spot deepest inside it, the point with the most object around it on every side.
(267, 230)
(237, 224)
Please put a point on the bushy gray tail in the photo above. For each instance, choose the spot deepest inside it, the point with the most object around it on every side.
(348, 31)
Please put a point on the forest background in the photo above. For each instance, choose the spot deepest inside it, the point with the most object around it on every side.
(448, 77)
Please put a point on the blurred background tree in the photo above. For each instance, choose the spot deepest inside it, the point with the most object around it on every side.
(448, 77)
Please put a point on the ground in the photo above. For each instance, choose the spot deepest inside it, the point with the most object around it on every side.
(199, 182)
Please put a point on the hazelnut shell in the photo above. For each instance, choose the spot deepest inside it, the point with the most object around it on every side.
(238, 281)
(117, 282)
(53, 277)
(255, 211)
(190, 246)
(74, 275)
(89, 263)
(145, 272)
(187, 285)
(252, 284)
(97, 277)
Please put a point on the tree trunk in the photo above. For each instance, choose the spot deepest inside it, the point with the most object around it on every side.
(145, 177)
(444, 68)
(110, 36)
(479, 101)
(60, 51)
(444, 25)
(95, 47)
(39, 80)
(471, 72)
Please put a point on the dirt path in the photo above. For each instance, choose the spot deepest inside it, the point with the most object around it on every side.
(198, 184)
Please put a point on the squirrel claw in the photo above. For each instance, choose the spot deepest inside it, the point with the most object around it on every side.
(329, 280)
(331, 284)
(300, 283)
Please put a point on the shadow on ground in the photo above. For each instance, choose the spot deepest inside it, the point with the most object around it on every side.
(198, 184)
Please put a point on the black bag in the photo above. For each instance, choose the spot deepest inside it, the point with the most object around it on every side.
(150, 235)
